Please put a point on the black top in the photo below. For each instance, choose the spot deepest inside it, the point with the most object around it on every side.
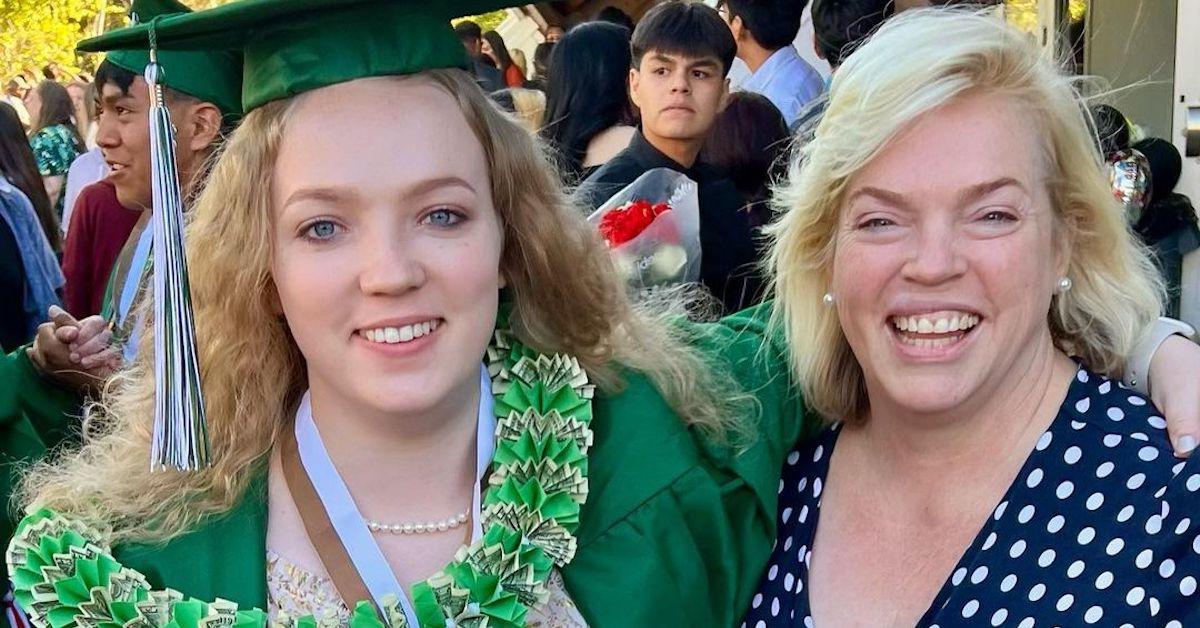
(1097, 529)
(728, 255)
(488, 77)
(12, 292)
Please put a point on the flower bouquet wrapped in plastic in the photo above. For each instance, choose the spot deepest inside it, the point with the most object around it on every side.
(652, 227)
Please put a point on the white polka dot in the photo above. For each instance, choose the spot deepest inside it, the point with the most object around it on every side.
(1075, 569)
(1112, 440)
(757, 601)
(1056, 523)
(1135, 596)
(760, 624)
(959, 575)
(1064, 602)
(1166, 568)
(1183, 525)
(1193, 482)
(820, 450)
(1115, 414)
(1095, 501)
(1065, 489)
(1008, 583)
(793, 458)
(773, 573)
(1105, 469)
(1037, 592)
(1144, 558)
(1086, 535)
(1081, 375)
(1154, 607)
(1125, 515)
(1072, 455)
(1035, 478)
(803, 513)
(1114, 547)
(1104, 580)
(1046, 558)
(1083, 405)
(787, 514)
(979, 575)
(1044, 441)
(1148, 453)
(1153, 524)
(1174, 623)
(999, 616)
(1177, 468)
(1093, 614)
(1017, 549)
(1187, 586)
(1026, 623)
(775, 607)
(989, 542)
(1105, 387)
(1026, 514)
(1139, 436)
(1136, 481)
(1078, 425)
(817, 487)
(1134, 400)
(788, 581)
(808, 622)
(970, 608)
(1000, 510)
(1157, 422)
(802, 485)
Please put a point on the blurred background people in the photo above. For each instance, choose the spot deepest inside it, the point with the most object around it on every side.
(55, 139)
(493, 47)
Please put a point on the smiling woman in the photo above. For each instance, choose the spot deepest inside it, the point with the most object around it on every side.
(958, 286)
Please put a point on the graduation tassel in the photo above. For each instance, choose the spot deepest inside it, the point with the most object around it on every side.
(180, 439)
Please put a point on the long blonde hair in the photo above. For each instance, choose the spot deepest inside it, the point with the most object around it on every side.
(917, 62)
(566, 298)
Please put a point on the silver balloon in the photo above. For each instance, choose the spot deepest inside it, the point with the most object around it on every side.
(1129, 174)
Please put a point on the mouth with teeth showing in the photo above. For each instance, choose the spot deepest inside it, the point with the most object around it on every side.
(400, 335)
(933, 330)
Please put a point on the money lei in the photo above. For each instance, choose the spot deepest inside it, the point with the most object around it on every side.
(64, 574)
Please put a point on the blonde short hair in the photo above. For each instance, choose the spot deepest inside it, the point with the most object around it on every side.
(916, 62)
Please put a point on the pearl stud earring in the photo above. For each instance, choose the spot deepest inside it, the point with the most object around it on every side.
(1064, 284)
(827, 299)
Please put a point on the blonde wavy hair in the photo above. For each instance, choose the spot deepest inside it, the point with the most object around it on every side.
(917, 62)
(566, 298)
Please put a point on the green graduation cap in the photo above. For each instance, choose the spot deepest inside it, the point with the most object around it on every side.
(213, 76)
(293, 46)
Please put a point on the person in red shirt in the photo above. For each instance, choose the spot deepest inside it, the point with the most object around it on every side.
(100, 227)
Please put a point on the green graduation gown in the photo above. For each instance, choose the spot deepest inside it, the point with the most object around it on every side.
(675, 531)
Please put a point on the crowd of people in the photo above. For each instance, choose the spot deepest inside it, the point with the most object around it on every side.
(923, 376)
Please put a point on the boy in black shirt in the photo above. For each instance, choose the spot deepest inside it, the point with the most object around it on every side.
(681, 55)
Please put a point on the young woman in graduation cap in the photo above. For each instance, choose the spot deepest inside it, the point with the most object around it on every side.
(418, 367)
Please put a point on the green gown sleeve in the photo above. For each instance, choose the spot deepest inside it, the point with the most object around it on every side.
(678, 529)
(35, 415)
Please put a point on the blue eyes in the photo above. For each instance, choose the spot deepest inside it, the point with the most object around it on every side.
(323, 230)
(443, 218)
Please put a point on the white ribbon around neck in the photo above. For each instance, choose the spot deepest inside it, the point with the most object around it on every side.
(349, 523)
(133, 279)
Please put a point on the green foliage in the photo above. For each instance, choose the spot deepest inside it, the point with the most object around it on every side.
(39, 32)
(486, 21)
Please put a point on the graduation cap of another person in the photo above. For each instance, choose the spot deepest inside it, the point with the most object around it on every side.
(213, 76)
(293, 46)
(287, 47)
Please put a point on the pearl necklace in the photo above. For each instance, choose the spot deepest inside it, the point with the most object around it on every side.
(448, 523)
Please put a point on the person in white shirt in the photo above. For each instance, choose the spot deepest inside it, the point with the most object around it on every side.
(87, 169)
(764, 31)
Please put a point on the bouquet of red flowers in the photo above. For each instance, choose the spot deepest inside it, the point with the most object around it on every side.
(652, 228)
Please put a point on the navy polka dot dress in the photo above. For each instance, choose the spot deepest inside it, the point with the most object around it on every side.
(1101, 527)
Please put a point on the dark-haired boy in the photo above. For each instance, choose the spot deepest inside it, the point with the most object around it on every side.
(471, 36)
(682, 52)
(764, 31)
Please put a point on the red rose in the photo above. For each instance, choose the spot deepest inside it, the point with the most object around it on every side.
(626, 222)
